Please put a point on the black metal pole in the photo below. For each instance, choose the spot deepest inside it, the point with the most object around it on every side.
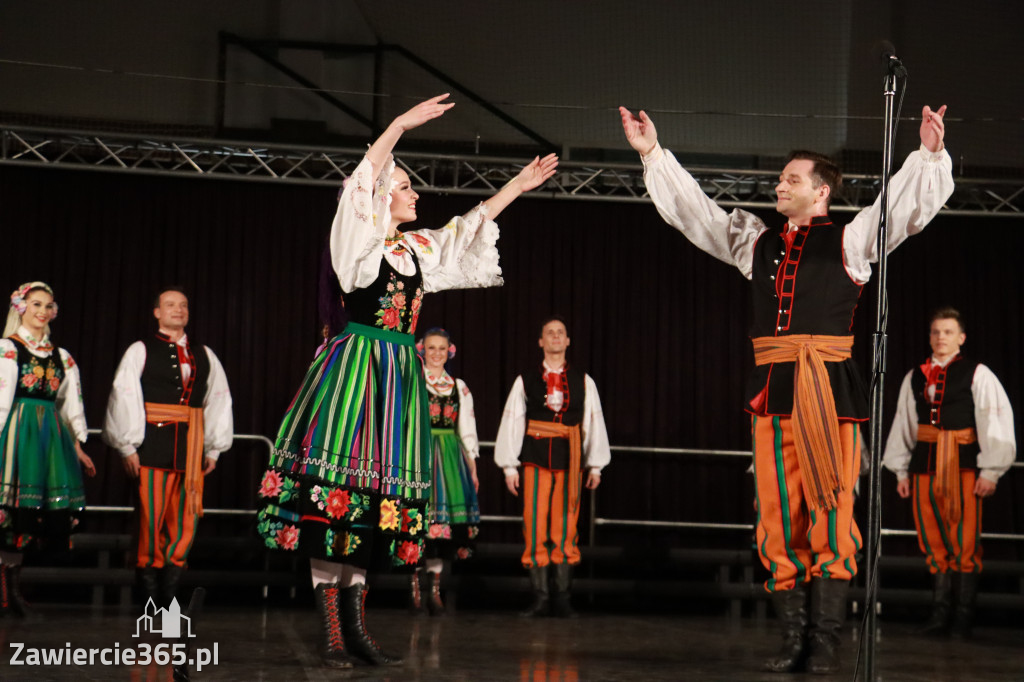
(874, 535)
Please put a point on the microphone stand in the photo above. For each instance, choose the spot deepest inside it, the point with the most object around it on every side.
(878, 369)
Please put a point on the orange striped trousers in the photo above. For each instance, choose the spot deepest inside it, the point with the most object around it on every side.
(549, 526)
(948, 546)
(796, 543)
(166, 527)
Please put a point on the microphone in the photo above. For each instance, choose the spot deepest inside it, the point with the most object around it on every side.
(887, 53)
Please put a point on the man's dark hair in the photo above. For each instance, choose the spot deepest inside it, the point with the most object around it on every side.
(948, 313)
(549, 319)
(173, 287)
(825, 171)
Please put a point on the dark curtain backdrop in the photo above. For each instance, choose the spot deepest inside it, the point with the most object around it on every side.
(659, 325)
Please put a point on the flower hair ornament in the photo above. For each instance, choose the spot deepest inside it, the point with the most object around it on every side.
(19, 305)
(436, 331)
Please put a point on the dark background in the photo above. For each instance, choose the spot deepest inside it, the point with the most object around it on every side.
(660, 325)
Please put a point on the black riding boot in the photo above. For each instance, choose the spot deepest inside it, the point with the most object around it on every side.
(938, 622)
(169, 581)
(434, 602)
(828, 611)
(149, 586)
(332, 644)
(966, 588)
(11, 602)
(791, 610)
(563, 585)
(539, 582)
(353, 625)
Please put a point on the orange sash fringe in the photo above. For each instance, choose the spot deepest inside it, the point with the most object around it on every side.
(159, 413)
(947, 464)
(540, 429)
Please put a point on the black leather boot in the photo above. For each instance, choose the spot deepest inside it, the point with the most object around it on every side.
(562, 608)
(791, 610)
(149, 586)
(434, 602)
(332, 642)
(415, 593)
(18, 603)
(353, 625)
(7, 607)
(169, 581)
(828, 611)
(539, 581)
(965, 586)
(938, 622)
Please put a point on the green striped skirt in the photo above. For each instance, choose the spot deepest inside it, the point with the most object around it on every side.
(41, 491)
(454, 518)
(350, 474)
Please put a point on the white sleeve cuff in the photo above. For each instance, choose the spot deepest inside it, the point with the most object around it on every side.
(511, 471)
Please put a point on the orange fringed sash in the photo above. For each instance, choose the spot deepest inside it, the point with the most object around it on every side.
(540, 429)
(947, 464)
(159, 413)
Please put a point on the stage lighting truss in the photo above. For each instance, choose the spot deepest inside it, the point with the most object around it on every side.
(441, 174)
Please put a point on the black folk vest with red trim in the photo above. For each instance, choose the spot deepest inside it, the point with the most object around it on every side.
(952, 410)
(551, 453)
(804, 288)
(164, 447)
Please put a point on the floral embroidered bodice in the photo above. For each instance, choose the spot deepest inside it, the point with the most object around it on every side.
(38, 378)
(392, 301)
(444, 410)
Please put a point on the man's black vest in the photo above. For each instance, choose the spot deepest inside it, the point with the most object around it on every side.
(952, 410)
(551, 453)
(164, 447)
(804, 289)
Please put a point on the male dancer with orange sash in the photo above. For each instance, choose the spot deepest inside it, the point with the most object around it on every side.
(805, 394)
(169, 415)
(553, 427)
(953, 432)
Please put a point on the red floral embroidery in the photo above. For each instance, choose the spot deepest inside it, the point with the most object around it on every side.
(449, 411)
(270, 486)
(391, 318)
(288, 537)
(29, 380)
(10, 355)
(409, 552)
(398, 300)
(54, 384)
(337, 503)
(435, 410)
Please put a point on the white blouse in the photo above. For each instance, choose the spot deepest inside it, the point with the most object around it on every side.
(69, 396)
(125, 426)
(460, 255)
(465, 425)
(916, 193)
(993, 422)
(509, 442)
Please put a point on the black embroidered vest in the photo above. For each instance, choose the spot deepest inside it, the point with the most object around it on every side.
(952, 410)
(444, 409)
(391, 302)
(38, 378)
(803, 289)
(164, 447)
(551, 453)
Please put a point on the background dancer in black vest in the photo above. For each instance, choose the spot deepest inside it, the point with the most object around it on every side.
(554, 427)
(953, 432)
(807, 275)
(169, 415)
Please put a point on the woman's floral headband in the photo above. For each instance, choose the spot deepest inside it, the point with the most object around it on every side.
(19, 303)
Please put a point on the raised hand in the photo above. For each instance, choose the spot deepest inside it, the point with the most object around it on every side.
(537, 172)
(640, 132)
(932, 128)
(423, 112)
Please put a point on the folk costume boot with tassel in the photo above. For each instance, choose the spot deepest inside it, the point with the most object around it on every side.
(828, 611)
(562, 608)
(540, 606)
(942, 593)
(415, 593)
(434, 602)
(332, 639)
(791, 610)
(353, 624)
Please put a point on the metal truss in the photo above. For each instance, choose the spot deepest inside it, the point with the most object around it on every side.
(431, 173)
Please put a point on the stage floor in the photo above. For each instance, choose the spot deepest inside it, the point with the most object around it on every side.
(278, 645)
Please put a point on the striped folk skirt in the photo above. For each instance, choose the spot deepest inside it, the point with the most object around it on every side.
(41, 493)
(350, 473)
(454, 518)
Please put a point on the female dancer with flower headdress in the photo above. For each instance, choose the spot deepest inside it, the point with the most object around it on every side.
(454, 514)
(349, 477)
(41, 456)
